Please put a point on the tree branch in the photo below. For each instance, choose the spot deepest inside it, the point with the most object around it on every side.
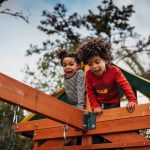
(16, 14)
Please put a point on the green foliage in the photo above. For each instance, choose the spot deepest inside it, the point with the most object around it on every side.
(110, 19)
(8, 138)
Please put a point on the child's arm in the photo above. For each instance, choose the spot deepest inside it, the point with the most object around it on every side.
(81, 89)
(128, 91)
(131, 106)
(92, 94)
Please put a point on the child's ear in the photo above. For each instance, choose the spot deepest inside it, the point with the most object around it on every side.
(106, 62)
(78, 66)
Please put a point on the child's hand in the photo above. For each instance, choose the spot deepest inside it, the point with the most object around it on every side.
(98, 110)
(130, 106)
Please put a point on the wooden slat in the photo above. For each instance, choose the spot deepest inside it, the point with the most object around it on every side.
(17, 93)
(120, 113)
(51, 143)
(111, 114)
(108, 145)
(103, 127)
(138, 148)
(37, 124)
(36, 144)
(86, 140)
(124, 137)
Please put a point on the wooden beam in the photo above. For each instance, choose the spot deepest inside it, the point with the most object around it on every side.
(122, 113)
(36, 124)
(124, 137)
(108, 115)
(52, 143)
(86, 140)
(139, 144)
(138, 148)
(17, 93)
(104, 127)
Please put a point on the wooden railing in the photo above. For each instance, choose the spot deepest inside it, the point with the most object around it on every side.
(117, 126)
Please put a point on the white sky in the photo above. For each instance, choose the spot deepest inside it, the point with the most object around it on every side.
(16, 35)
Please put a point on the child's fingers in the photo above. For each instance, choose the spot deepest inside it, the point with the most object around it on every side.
(130, 107)
(98, 111)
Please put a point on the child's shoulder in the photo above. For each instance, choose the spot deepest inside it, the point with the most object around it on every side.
(80, 72)
(113, 68)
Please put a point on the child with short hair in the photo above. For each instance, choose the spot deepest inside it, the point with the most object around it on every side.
(102, 78)
(74, 82)
(74, 78)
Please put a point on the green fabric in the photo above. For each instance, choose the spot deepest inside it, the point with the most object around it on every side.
(138, 83)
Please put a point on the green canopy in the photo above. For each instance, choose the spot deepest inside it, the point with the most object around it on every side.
(138, 83)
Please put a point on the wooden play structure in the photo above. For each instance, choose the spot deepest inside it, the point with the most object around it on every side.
(54, 124)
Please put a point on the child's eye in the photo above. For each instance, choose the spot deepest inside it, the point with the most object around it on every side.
(64, 65)
(89, 64)
(71, 64)
(97, 62)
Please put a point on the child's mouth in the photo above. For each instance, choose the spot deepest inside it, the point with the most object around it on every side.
(98, 72)
(69, 74)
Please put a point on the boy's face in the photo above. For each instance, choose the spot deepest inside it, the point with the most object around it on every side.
(70, 66)
(97, 65)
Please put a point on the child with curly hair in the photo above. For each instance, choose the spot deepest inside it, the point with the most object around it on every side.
(102, 78)
(74, 78)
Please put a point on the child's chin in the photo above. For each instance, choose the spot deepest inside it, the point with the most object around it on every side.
(69, 76)
(98, 74)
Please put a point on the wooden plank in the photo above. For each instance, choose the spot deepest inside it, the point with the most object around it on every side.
(17, 93)
(52, 143)
(104, 127)
(120, 113)
(86, 140)
(139, 144)
(36, 124)
(36, 144)
(138, 148)
(124, 137)
(111, 114)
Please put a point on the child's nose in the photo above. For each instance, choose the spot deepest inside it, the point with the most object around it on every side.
(67, 66)
(94, 65)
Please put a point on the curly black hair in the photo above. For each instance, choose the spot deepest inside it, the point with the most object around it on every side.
(95, 47)
(64, 53)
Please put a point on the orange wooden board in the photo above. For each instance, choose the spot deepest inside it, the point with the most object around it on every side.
(139, 144)
(108, 115)
(17, 93)
(124, 137)
(123, 125)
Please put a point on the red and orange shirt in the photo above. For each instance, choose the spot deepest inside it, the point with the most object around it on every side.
(105, 89)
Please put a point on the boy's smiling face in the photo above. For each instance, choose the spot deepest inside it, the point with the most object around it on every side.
(97, 65)
(70, 66)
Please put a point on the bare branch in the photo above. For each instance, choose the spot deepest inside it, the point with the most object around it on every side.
(131, 54)
(16, 14)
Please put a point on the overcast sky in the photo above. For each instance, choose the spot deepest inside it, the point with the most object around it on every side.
(16, 35)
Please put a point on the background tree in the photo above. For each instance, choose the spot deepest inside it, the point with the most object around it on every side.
(67, 31)
(9, 114)
(9, 140)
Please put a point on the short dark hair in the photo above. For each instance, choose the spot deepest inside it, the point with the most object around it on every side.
(95, 47)
(64, 53)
